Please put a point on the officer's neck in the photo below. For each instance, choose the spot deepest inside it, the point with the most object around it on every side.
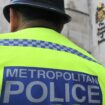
(38, 23)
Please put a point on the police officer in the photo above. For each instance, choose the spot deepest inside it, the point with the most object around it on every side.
(39, 66)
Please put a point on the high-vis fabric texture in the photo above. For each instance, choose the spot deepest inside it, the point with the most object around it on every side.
(39, 66)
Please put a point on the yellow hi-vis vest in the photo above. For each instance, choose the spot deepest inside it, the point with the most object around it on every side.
(39, 66)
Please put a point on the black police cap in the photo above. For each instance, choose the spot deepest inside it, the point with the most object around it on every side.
(56, 6)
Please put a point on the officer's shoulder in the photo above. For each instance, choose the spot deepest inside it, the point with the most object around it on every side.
(7, 35)
(71, 44)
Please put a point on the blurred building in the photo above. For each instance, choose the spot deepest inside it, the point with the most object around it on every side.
(87, 27)
(84, 29)
(4, 26)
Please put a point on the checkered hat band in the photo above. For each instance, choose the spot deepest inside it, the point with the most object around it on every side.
(42, 44)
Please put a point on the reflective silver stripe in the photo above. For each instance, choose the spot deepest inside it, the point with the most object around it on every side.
(42, 44)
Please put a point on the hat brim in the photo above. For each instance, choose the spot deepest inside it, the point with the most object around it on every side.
(65, 18)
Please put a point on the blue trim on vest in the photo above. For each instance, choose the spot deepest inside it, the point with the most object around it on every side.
(42, 44)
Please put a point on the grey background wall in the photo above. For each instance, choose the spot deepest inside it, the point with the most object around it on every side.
(4, 26)
(80, 30)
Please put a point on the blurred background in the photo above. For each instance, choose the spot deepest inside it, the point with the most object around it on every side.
(87, 28)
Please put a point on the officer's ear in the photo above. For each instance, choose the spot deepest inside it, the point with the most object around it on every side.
(14, 20)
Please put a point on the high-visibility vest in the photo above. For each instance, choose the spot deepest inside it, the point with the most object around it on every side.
(39, 66)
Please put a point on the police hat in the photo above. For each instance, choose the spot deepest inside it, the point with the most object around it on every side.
(55, 6)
